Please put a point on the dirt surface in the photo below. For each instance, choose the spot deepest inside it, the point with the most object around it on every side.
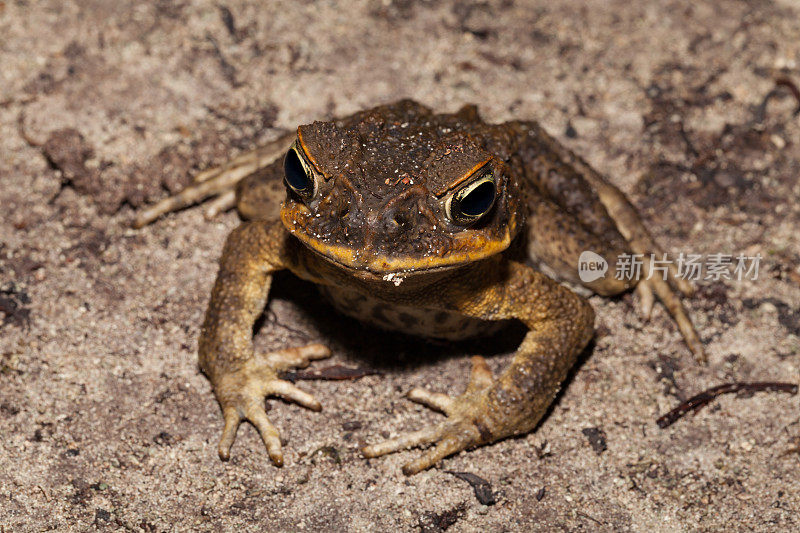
(105, 420)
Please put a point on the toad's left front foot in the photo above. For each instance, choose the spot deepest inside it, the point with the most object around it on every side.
(464, 428)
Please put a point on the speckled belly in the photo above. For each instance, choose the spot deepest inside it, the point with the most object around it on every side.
(431, 323)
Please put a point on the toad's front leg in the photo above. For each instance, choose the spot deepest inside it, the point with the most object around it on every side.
(242, 379)
(560, 325)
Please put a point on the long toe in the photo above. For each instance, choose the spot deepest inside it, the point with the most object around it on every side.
(287, 390)
(404, 442)
(298, 357)
(232, 421)
(269, 434)
(447, 446)
(434, 400)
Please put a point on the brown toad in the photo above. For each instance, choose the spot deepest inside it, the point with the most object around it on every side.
(428, 224)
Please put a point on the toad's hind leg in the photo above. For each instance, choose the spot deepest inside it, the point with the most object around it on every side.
(588, 210)
(259, 195)
(556, 240)
(583, 192)
(219, 183)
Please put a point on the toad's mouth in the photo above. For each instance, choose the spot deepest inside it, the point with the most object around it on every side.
(466, 248)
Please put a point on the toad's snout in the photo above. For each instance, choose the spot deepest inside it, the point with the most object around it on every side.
(408, 211)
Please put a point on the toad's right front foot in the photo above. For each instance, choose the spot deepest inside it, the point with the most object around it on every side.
(241, 395)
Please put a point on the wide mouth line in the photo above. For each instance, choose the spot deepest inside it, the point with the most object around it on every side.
(369, 266)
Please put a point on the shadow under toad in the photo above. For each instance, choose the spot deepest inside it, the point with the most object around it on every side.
(371, 346)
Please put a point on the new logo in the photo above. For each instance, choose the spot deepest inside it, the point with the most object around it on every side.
(591, 267)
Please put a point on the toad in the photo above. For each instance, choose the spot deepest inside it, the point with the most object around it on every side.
(438, 225)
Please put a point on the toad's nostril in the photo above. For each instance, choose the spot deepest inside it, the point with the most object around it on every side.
(402, 220)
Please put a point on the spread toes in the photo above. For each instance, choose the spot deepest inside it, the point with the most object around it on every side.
(457, 433)
(242, 394)
(448, 438)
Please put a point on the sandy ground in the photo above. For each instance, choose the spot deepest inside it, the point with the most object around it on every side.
(106, 422)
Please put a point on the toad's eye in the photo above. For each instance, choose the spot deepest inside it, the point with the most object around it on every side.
(471, 202)
(298, 174)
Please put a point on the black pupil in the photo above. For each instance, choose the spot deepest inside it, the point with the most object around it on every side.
(478, 200)
(295, 173)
